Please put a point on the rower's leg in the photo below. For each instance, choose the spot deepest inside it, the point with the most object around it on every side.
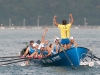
(32, 54)
(36, 54)
(27, 62)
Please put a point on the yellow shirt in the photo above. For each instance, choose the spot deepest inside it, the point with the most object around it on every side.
(64, 30)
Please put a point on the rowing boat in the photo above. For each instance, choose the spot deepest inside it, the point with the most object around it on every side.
(74, 56)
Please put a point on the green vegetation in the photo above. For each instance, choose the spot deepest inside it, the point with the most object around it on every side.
(17, 10)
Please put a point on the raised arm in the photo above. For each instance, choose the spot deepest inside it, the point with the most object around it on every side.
(55, 22)
(43, 36)
(71, 19)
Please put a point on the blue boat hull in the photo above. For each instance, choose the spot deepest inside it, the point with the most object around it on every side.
(60, 59)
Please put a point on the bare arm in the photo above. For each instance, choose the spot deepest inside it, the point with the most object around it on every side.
(36, 52)
(57, 49)
(52, 47)
(69, 45)
(75, 44)
(72, 42)
(55, 22)
(49, 51)
(26, 52)
(43, 36)
(71, 19)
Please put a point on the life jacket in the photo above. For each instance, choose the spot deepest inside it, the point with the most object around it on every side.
(72, 46)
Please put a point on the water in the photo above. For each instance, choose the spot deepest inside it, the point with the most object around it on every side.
(12, 41)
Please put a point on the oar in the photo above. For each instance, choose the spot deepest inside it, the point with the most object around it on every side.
(73, 67)
(94, 56)
(13, 62)
(68, 58)
(10, 57)
(20, 60)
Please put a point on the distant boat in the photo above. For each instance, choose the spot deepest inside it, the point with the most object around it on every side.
(74, 56)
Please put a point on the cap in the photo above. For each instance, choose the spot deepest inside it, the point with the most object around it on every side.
(35, 44)
(41, 45)
(71, 37)
(57, 38)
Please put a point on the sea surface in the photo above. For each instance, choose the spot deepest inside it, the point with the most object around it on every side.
(12, 41)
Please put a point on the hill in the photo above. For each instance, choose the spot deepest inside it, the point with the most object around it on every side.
(31, 10)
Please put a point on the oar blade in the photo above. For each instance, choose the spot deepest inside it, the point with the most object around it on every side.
(13, 62)
(91, 64)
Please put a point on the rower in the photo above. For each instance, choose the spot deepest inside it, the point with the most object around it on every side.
(65, 30)
(34, 52)
(44, 47)
(74, 44)
(31, 50)
(46, 50)
(55, 47)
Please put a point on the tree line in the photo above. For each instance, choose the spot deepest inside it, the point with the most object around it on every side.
(31, 11)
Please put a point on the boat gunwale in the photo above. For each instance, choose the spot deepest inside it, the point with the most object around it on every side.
(65, 50)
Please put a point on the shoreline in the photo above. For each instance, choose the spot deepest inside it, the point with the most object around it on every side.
(41, 27)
